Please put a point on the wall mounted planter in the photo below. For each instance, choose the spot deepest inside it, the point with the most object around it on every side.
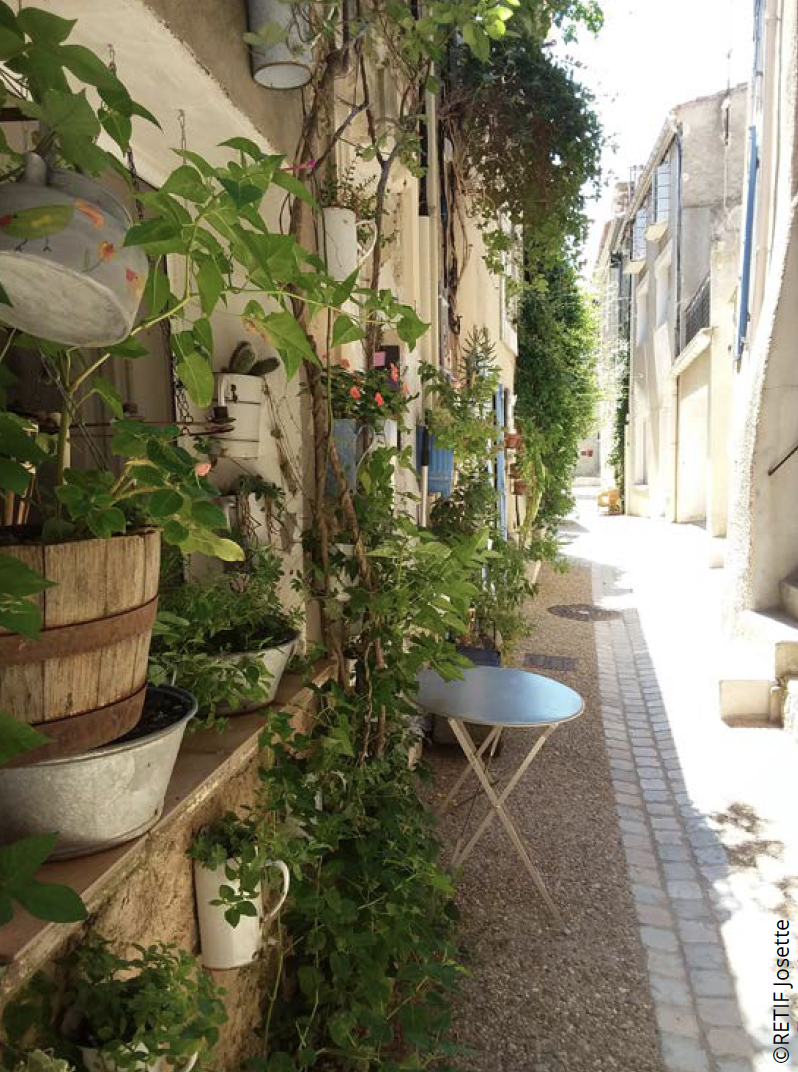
(83, 680)
(348, 442)
(223, 945)
(243, 397)
(288, 63)
(104, 797)
(63, 262)
(341, 247)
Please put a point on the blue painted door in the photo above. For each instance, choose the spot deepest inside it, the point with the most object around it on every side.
(501, 465)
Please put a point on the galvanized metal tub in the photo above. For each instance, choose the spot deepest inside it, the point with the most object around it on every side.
(101, 798)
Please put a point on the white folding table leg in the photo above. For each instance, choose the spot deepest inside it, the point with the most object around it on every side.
(489, 818)
(491, 739)
(498, 806)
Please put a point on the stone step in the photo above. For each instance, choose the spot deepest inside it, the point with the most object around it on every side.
(788, 592)
(746, 681)
(773, 635)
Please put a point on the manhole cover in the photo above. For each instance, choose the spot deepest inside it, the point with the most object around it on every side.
(550, 662)
(584, 612)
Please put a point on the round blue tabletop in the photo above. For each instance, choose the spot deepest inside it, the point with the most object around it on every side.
(499, 696)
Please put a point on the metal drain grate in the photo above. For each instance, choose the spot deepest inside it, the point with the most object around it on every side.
(584, 612)
(550, 662)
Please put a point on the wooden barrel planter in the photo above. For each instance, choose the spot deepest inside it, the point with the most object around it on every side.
(82, 682)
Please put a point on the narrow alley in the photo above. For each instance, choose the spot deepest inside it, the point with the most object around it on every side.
(665, 837)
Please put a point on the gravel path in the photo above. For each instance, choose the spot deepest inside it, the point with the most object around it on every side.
(539, 998)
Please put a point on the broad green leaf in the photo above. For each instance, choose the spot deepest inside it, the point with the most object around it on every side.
(51, 901)
(107, 522)
(13, 476)
(22, 858)
(21, 616)
(208, 515)
(197, 376)
(157, 236)
(210, 285)
(43, 26)
(88, 67)
(128, 348)
(185, 181)
(242, 193)
(175, 533)
(243, 145)
(10, 43)
(17, 579)
(17, 737)
(164, 503)
(292, 184)
(290, 340)
(410, 327)
(157, 290)
(109, 394)
(346, 330)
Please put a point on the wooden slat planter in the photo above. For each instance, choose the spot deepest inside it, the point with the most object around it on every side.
(82, 681)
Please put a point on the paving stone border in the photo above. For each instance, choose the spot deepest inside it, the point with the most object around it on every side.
(673, 857)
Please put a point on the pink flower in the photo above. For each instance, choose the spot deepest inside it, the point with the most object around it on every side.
(344, 363)
(202, 468)
(379, 399)
(354, 392)
(395, 373)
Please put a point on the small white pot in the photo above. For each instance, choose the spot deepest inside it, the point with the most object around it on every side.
(224, 946)
(244, 398)
(287, 64)
(97, 1061)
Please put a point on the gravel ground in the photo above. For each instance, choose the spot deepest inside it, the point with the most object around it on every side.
(539, 998)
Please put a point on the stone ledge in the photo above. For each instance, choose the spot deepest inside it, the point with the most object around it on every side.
(207, 760)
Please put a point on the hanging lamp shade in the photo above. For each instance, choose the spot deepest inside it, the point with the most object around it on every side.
(287, 63)
(66, 273)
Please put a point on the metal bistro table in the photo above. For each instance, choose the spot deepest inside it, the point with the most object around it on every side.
(501, 698)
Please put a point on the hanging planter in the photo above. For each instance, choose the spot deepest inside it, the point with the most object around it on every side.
(281, 56)
(520, 487)
(343, 251)
(82, 682)
(513, 440)
(104, 797)
(225, 944)
(348, 440)
(63, 263)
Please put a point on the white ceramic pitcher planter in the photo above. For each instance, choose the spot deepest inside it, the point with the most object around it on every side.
(341, 247)
(97, 1061)
(286, 63)
(223, 945)
(63, 262)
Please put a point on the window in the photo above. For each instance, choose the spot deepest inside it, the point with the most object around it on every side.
(641, 314)
(662, 192)
(639, 235)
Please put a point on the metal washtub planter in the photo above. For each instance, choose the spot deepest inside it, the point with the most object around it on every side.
(101, 798)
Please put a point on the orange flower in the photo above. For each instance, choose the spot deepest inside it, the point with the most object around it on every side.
(202, 468)
(395, 373)
(379, 399)
(344, 363)
(92, 212)
(107, 251)
(354, 392)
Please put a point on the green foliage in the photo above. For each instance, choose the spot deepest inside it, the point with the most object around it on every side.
(370, 915)
(555, 379)
(617, 458)
(237, 845)
(200, 623)
(530, 139)
(369, 397)
(159, 1003)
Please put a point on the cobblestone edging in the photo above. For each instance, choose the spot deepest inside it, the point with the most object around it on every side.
(673, 857)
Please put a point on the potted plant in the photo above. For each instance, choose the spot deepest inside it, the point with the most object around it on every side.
(513, 440)
(280, 36)
(104, 796)
(230, 862)
(225, 638)
(348, 218)
(152, 1012)
(240, 397)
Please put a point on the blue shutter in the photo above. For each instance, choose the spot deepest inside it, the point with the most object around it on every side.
(748, 245)
(501, 474)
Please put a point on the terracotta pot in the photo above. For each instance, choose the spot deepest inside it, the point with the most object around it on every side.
(520, 487)
(513, 440)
